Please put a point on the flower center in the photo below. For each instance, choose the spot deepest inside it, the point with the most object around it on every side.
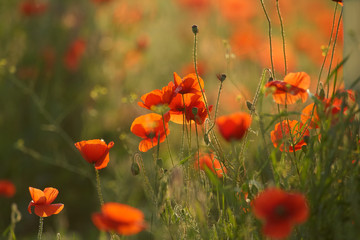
(280, 211)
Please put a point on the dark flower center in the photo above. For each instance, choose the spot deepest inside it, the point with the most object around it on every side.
(280, 211)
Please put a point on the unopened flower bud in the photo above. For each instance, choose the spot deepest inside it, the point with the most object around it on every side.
(221, 77)
(135, 169)
(249, 105)
(195, 29)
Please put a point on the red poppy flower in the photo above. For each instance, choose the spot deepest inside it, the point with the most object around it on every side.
(32, 8)
(120, 218)
(291, 89)
(74, 53)
(150, 128)
(194, 103)
(188, 84)
(208, 161)
(42, 200)
(280, 211)
(234, 126)
(7, 188)
(294, 133)
(235, 11)
(95, 151)
(158, 97)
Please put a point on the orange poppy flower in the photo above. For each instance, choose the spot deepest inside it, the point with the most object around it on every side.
(95, 151)
(208, 161)
(31, 8)
(42, 200)
(150, 128)
(234, 126)
(158, 97)
(120, 218)
(188, 84)
(74, 53)
(331, 108)
(198, 5)
(280, 211)
(7, 188)
(291, 89)
(294, 132)
(193, 102)
(234, 10)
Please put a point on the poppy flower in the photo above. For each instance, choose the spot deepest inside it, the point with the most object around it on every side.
(198, 5)
(291, 89)
(233, 126)
(31, 8)
(210, 162)
(280, 211)
(74, 53)
(235, 11)
(192, 105)
(42, 200)
(294, 133)
(188, 84)
(158, 98)
(7, 188)
(330, 108)
(151, 129)
(120, 218)
(95, 151)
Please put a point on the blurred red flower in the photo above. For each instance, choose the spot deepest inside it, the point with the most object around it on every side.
(209, 161)
(151, 129)
(235, 10)
(192, 105)
(74, 53)
(42, 200)
(293, 88)
(31, 8)
(7, 188)
(188, 84)
(190, 68)
(95, 151)
(197, 5)
(233, 126)
(280, 211)
(120, 218)
(289, 132)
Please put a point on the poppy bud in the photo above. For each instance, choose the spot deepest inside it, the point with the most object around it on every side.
(135, 169)
(249, 105)
(195, 29)
(221, 76)
(206, 139)
(322, 94)
(270, 79)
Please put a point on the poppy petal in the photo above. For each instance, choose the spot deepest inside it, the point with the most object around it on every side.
(121, 213)
(30, 205)
(277, 229)
(102, 163)
(37, 195)
(48, 209)
(50, 194)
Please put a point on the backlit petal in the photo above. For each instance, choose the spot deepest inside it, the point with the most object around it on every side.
(48, 209)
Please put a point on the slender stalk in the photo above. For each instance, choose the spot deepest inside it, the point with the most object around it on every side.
(282, 33)
(167, 141)
(333, 51)
(98, 187)
(323, 64)
(270, 41)
(41, 226)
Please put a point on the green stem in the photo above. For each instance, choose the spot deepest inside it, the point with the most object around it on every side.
(41, 226)
(282, 33)
(98, 187)
(270, 41)
(167, 141)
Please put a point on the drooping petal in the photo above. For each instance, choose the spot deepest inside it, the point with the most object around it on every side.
(30, 205)
(130, 229)
(47, 210)
(37, 195)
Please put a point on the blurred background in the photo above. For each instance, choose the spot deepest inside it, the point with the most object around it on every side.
(75, 70)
